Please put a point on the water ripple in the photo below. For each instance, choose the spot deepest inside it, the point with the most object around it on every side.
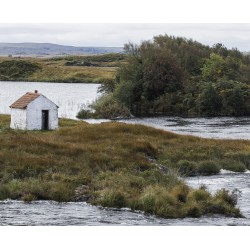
(51, 213)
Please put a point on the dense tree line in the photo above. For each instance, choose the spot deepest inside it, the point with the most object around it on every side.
(178, 76)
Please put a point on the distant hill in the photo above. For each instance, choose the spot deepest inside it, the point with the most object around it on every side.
(50, 49)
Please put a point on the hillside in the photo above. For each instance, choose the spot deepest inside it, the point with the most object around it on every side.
(50, 49)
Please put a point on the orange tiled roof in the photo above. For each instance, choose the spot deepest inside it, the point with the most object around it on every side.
(23, 101)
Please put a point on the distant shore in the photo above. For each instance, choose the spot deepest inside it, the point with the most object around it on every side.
(67, 69)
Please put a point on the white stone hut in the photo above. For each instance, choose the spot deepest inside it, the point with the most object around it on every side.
(34, 111)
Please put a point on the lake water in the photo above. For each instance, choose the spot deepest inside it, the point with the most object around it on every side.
(70, 98)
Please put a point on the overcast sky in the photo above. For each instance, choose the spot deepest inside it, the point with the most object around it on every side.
(231, 35)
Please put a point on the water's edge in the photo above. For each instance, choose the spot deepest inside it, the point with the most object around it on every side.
(80, 213)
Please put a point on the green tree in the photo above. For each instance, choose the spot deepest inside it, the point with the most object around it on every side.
(107, 86)
(214, 68)
(237, 102)
(210, 101)
(190, 53)
(178, 76)
(232, 66)
(161, 73)
(151, 72)
(220, 49)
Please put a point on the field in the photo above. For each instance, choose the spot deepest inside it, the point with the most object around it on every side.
(80, 69)
(117, 165)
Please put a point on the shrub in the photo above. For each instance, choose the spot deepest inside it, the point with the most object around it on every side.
(61, 192)
(84, 114)
(16, 69)
(180, 192)
(200, 195)
(187, 168)
(148, 202)
(230, 198)
(15, 188)
(112, 198)
(241, 157)
(158, 200)
(27, 198)
(208, 168)
(4, 192)
(107, 107)
(217, 207)
(193, 211)
(232, 165)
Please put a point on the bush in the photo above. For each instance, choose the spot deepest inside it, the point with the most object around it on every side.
(180, 192)
(241, 157)
(231, 198)
(222, 205)
(187, 168)
(107, 107)
(200, 195)
(4, 192)
(234, 166)
(208, 168)
(159, 201)
(193, 211)
(61, 192)
(16, 69)
(112, 111)
(27, 198)
(84, 114)
(147, 202)
(113, 198)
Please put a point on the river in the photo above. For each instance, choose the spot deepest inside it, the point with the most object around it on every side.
(217, 128)
(81, 213)
(70, 98)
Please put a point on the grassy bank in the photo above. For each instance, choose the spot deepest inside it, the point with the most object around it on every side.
(116, 165)
(78, 69)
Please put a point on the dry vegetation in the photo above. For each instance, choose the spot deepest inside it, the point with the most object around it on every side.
(63, 69)
(115, 165)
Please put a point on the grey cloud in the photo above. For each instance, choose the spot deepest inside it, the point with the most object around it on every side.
(116, 34)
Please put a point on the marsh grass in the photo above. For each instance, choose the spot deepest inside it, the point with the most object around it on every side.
(208, 167)
(113, 161)
(232, 165)
(187, 168)
(27, 198)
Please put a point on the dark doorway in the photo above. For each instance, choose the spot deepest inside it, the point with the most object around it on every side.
(45, 119)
